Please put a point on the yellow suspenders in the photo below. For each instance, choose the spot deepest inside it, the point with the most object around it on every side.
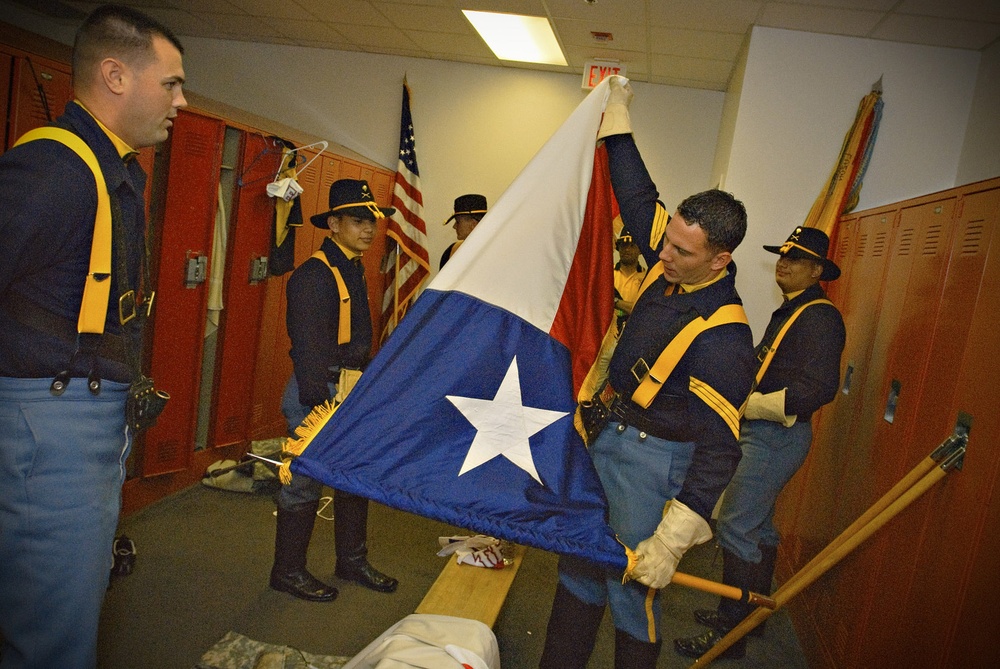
(97, 289)
(781, 333)
(653, 380)
(344, 325)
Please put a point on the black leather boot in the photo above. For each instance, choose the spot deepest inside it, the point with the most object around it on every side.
(350, 531)
(571, 633)
(740, 574)
(291, 541)
(630, 653)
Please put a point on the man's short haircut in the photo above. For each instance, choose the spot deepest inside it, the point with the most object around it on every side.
(720, 215)
(117, 32)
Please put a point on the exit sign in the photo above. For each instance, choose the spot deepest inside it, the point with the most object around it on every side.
(596, 71)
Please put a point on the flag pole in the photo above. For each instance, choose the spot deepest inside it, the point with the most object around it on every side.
(949, 454)
(723, 590)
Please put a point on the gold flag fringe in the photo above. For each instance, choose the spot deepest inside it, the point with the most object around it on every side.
(633, 560)
(304, 434)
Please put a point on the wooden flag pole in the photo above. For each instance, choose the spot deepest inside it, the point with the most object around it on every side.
(723, 590)
(919, 481)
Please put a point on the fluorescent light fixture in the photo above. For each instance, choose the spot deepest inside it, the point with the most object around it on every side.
(528, 39)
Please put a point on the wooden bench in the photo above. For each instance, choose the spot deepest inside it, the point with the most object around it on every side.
(465, 591)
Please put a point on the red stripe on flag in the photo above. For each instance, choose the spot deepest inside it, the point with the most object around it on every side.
(587, 304)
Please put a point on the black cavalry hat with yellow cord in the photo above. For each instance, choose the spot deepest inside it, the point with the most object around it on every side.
(351, 197)
(472, 204)
(811, 244)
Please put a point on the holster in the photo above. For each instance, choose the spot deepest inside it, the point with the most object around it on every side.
(144, 404)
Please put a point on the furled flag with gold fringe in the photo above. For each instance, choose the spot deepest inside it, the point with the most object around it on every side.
(466, 414)
(406, 263)
(842, 189)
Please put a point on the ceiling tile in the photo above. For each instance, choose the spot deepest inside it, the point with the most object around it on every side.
(312, 31)
(854, 22)
(732, 16)
(937, 32)
(578, 33)
(700, 69)
(612, 11)
(698, 44)
(356, 12)
(432, 19)
(970, 10)
(432, 42)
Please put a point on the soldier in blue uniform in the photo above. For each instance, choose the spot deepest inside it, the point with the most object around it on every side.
(802, 374)
(680, 450)
(63, 445)
(330, 349)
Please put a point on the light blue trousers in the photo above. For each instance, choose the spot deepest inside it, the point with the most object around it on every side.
(772, 453)
(640, 475)
(62, 465)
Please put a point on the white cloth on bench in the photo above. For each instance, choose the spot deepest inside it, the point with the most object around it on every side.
(430, 641)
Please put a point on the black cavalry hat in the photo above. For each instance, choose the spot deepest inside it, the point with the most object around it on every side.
(472, 204)
(812, 244)
(351, 197)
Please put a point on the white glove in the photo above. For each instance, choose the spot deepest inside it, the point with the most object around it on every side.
(616, 120)
(680, 529)
(768, 407)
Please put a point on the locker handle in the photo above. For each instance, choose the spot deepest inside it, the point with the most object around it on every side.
(892, 401)
(848, 374)
(195, 270)
(258, 270)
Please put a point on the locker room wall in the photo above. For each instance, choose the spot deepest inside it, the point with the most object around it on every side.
(918, 316)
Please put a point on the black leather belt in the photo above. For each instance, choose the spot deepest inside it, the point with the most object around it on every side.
(30, 314)
(628, 413)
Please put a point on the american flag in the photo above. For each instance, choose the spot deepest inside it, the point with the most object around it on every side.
(406, 264)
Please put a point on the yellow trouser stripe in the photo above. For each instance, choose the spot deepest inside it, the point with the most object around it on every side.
(650, 620)
(718, 404)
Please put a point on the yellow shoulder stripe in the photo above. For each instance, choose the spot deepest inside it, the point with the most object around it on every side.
(718, 404)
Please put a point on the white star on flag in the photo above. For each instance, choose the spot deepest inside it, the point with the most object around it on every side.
(503, 425)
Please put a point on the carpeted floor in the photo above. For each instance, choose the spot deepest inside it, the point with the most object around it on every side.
(202, 563)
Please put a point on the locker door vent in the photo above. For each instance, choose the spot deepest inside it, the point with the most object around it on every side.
(973, 239)
(843, 247)
(878, 249)
(905, 242)
(859, 252)
(198, 145)
(932, 241)
(168, 451)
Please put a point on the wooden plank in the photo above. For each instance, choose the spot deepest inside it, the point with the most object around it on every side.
(465, 591)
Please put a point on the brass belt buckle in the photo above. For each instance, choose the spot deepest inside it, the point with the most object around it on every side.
(762, 353)
(126, 307)
(640, 369)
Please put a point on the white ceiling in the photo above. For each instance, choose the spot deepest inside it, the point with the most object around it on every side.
(692, 43)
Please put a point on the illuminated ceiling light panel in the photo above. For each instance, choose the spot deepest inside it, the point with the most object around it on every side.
(527, 39)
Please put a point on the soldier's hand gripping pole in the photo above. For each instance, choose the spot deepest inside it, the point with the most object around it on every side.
(921, 478)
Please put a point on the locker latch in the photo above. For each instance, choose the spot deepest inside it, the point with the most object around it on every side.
(196, 270)
(258, 269)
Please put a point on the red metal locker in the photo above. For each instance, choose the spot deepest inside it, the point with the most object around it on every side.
(28, 110)
(934, 545)
(178, 328)
(911, 292)
(251, 220)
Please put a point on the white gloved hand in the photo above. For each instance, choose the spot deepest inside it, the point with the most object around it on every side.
(616, 120)
(768, 407)
(680, 529)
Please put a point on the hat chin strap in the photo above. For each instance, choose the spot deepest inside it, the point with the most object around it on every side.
(369, 205)
(789, 245)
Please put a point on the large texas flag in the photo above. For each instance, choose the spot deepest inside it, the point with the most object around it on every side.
(466, 413)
